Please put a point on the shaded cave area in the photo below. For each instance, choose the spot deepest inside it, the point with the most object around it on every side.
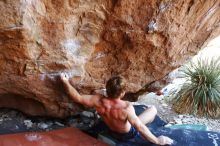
(22, 104)
(29, 115)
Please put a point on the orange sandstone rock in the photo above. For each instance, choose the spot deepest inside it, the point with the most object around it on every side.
(142, 40)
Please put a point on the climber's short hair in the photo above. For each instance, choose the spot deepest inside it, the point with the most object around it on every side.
(115, 86)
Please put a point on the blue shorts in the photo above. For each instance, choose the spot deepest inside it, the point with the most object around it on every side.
(133, 133)
(133, 136)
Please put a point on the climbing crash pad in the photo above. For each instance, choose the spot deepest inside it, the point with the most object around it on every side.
(181, 137)
(62, 137)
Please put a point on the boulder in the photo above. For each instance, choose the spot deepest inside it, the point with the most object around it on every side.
(142, 40)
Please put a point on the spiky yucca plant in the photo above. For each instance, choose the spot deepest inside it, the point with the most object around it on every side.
(200, 93)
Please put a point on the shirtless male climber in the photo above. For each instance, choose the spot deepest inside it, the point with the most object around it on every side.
(119, 115)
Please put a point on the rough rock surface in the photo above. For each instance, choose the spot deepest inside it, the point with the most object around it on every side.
(143, 40)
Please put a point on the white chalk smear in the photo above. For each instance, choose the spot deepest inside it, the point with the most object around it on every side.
(28, 2)
(69, 74)
(214, 137)
(186, 132)
(163, 6)
(33, 137)
(100, 55)
(71, 46)
(42, 77)
(152, 26)
(72, 49)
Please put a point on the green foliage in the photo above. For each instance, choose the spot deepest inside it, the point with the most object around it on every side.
(200, 93)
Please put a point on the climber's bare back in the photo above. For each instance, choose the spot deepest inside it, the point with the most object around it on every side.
(119, 115)
(114, 113)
